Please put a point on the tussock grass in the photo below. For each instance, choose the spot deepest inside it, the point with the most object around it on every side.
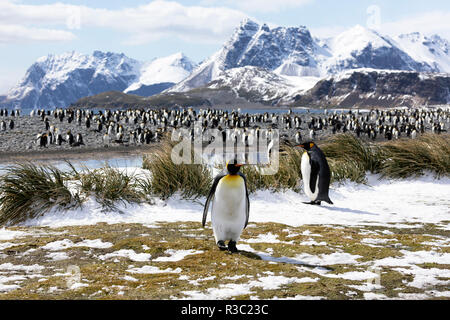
(191, 180)
(288, 175)
(348, 148)
(28, 191)
(350, 158)
(406, 158)
(110, 186)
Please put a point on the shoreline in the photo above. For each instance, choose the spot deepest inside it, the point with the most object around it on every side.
(94, 153)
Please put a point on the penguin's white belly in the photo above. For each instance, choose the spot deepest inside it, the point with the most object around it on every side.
(228, 212)
(306, 175)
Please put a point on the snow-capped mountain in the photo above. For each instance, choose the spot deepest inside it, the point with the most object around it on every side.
(293, 53)
(289, 51)
(160, 74)
(432, 50)
(253, 83)
(59, 80)
(360, 47)
(258, 64)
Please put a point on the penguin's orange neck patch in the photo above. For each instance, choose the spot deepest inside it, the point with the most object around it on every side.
(232, 180)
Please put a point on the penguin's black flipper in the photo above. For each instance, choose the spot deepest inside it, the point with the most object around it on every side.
(320, 170)
(210, 197)
(315, 168)
(247, 200)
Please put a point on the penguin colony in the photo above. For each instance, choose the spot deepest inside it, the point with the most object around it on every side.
(228, 197)
(68, 128)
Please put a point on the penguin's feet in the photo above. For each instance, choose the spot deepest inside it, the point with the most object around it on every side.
(232, 246)
(314, 203)
(221, 245)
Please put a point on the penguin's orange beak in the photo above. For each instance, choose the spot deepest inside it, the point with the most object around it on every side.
(239, 165)
(301, 146)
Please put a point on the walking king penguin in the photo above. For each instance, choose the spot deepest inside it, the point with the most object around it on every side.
(315, 173)
(230, 206)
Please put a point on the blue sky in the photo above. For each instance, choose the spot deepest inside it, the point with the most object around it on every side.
(145, 29)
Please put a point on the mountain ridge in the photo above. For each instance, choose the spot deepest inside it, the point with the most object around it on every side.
(59, 80)
(258, 64)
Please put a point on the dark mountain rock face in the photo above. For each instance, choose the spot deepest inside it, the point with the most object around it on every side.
(271, 47)
(238, 44)
(379, 89)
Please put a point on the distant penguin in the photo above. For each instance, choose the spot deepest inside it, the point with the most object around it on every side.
(298, 137)
(78, 140)
(312, 134)
(69, 137)
(119, 138)
(43, 140)
(106, 139)
(59, 139)
(50, 138)
(316, 174)
(230, 206)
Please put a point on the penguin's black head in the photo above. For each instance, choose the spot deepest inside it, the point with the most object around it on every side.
(307, 145)
(233, 167)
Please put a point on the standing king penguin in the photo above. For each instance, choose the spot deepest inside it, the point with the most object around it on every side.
(316, 174)
(230, 206)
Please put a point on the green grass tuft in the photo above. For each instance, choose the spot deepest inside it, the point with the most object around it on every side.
(346, 148)
(406, 158)
(191, 180)
(110, 186)
(287, 177)
(28, 191)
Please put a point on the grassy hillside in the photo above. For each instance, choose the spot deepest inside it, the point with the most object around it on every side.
(180, 260)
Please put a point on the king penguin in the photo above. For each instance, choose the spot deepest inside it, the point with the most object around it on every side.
(316, 174)
(230, 206)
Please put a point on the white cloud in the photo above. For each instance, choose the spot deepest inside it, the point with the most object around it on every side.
(25, 23)
(260, 5)
(142, 24)
(13, 33)
(427, 23)
(163, 18)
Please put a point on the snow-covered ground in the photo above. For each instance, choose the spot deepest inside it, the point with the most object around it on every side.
(405, 203)
(369, 245)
